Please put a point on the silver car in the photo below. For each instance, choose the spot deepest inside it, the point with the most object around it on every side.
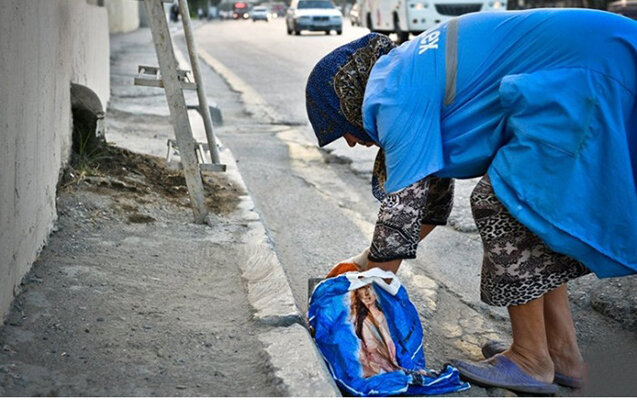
(313, 15)
(260, 13)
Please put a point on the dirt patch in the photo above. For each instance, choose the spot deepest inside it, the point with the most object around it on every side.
(123, 173)
(129, 298)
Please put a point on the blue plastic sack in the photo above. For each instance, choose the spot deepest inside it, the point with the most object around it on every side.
(370, 336)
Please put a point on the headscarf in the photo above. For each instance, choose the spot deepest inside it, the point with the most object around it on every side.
(336, 87)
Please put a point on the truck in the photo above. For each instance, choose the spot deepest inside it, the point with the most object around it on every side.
(404, 17)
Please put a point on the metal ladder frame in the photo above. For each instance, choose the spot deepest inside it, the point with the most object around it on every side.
(175, 81)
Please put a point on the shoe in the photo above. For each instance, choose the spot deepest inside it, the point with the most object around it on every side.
(499, 371)
(493, 347)
(568, 381)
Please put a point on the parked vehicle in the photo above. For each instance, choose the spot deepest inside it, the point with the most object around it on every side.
(405, 17)
(313, 15)
(627, 8)
(260, 13)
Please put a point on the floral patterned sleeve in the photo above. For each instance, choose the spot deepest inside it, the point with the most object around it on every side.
(396, 236)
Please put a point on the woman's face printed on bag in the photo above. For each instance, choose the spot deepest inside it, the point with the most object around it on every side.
(366, 295)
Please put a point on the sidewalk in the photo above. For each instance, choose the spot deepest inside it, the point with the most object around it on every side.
(129, 298)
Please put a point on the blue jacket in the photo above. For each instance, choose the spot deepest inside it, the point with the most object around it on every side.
(544, 101)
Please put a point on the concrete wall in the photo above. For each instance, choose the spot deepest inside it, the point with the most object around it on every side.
(45, 46)
(123, 15)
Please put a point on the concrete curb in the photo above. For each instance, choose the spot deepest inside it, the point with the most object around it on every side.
(296, 361)
(294, 357)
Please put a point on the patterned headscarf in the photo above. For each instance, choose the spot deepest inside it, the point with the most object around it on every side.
(336, 86)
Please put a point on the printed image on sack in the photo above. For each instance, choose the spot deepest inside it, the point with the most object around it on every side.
(371, 337)
(377, 351)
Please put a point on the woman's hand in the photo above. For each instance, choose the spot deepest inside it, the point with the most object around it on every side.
(360, 260)
(356, 263)
(362, 263)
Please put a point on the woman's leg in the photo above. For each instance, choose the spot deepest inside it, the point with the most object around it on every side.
(560, 334)
(540, 355)
(520, 271)
(530, 350)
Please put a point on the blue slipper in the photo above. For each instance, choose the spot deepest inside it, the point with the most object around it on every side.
(493, 347)
(499, 371)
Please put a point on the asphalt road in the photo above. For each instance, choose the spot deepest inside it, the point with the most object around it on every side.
(273, 63)
(276, 65)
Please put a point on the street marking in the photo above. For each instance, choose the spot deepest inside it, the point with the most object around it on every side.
(253, 101)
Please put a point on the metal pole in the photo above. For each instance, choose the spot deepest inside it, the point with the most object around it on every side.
(194, 62)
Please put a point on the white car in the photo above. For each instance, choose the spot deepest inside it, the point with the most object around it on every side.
(260, 13)
(313, 15)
